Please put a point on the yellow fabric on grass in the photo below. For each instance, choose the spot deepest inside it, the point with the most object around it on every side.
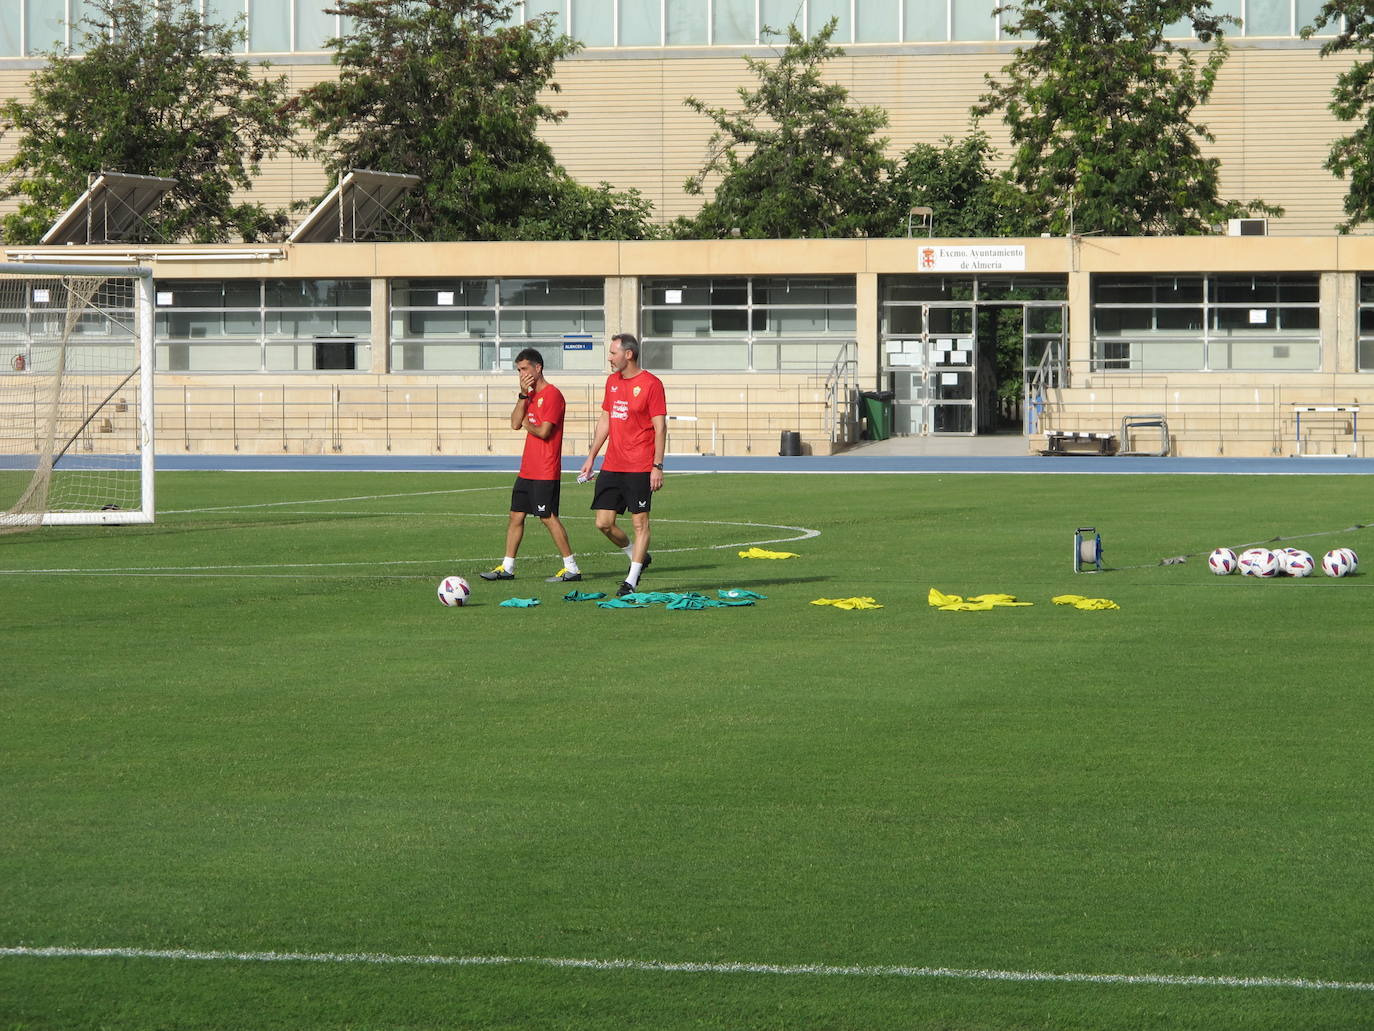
(977, 603)
(848, 603)
(761, 553)
(1087, 604)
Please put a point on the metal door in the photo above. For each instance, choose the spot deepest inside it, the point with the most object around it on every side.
(931, 362)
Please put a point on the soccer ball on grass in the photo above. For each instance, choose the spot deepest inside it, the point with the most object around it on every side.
(1338, 562)
(1222, 561)
(454, 591)
(1296, 562)
(1258, 562)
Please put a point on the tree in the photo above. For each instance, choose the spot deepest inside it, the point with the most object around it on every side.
(966, 196)
(1100, 111)
(797, 160)
(1351, 156)
(447, 91)
(150, 89)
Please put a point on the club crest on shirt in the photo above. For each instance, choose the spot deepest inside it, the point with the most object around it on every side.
(539, 403)
(635, 392)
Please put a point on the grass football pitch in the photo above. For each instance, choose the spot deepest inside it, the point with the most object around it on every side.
(253, 775)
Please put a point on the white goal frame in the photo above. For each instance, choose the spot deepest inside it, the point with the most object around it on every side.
(144, 323)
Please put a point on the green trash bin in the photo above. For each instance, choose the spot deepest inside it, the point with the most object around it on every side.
(877, 410)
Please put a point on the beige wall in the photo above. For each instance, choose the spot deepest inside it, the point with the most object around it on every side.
(627, 124)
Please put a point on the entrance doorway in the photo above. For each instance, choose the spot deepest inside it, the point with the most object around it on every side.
(959, 367)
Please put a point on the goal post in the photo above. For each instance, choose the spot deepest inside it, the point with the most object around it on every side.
(76, 395)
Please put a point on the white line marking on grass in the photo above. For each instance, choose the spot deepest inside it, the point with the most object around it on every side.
(663, 967)
(800, 533)
(327, 501)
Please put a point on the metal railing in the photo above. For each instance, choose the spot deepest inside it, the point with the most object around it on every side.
(440, 419)
(1212, 419)
(842, 396)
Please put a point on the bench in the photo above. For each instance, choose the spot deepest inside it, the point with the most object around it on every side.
(1079, 442)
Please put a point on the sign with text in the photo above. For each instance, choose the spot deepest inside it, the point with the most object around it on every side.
(983, 258)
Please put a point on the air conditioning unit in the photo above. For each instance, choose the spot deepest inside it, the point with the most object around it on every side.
(1247, 227)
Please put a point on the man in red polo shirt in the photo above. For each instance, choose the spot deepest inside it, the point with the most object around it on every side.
(634, 418)
(539, 410)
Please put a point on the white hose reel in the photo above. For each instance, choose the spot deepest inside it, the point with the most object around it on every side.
(1087, 550)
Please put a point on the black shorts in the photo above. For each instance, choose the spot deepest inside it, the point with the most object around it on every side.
(536, 497)
(621, 491)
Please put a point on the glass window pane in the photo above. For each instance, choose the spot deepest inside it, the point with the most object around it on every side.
(539, 8)
(9, 32)
(552, 291)
(820, 13)
(876, 22)
(318, 293)
(1306, 10)
(1267, 18)
(677, 291)
(925, 21)
(640, 24)
(225, 12)
(777, 15)
(592, 22)
(973, 20)
(686, 22)
(664, 322)
(269, 28)
(313, 26)
(733, 21)
(45, 23)
(716, 356)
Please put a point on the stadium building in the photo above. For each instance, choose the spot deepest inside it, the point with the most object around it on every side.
(1257, 342)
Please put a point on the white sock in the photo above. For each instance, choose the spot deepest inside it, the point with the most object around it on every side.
(570, 564)
(508, 563)
(635, 569)
(629, 550)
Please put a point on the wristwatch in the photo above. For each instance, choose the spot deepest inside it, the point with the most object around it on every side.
(658, 466)
(523, 397)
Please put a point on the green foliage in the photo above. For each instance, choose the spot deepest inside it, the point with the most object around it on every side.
(1100, 111)
(797, 160)
(1352, 157)
(152, 88)
(448, 91)
(965, 195)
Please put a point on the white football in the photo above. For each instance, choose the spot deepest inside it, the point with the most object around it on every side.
(1354, 559)
(1258, 562)
(454, 590)
(1297, 562)
(1222, 561)
(1336, 563)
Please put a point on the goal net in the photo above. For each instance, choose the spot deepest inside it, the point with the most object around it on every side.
(76, 402)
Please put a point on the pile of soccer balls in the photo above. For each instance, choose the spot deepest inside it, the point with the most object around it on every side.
(1264, 563)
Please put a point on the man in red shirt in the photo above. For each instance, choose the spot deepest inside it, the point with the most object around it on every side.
(539, 409)
(634, 417)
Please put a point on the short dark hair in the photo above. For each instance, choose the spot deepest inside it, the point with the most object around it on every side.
(628, 342)
(530, 355)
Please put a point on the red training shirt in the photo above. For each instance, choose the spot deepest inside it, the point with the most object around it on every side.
(632, 403)
(543, 459)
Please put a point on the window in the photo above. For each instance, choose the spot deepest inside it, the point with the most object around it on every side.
(478, 325)
(1190, 322)
(738, 323)
(732, 21)
(819, 13)
(593, 22)
(254, 325)
(686, 23)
